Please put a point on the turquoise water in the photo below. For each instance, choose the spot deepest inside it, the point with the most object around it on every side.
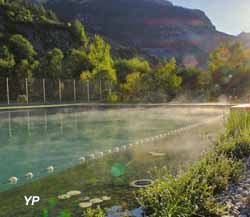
(31, 141)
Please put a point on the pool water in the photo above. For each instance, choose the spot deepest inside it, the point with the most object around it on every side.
(33, 140)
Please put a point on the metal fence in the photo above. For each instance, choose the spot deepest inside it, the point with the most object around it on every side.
(47, 91)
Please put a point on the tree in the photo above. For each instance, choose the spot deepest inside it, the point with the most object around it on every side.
(229, 66)
(132, 88)
(80, 33)
(125, 67)
(100, 58)
(76, 61)
(21, 47)
(25, 69)
(7, 60)
(52, 64)
(164, 81)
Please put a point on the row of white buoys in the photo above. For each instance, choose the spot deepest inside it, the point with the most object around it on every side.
(29, 175)
(82, 160)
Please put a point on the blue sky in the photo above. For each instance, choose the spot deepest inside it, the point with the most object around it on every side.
(230, 16)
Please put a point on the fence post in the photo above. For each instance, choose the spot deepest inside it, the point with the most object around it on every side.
(44, 91)
(110, 88)
(74, 86)
(27, 90)
(8, 90)
(88, 90)
(59, 88)
(100, 89)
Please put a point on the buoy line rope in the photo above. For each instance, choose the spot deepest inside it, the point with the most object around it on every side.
(97, 155)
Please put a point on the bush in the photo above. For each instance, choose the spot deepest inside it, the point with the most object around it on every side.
(112, 98)
(94, 213)
(236, 140)
(22, 99)
(194, 192)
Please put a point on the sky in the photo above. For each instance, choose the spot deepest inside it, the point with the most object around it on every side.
(230, 16)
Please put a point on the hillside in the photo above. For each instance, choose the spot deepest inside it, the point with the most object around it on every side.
(156, 26)
(35, 24)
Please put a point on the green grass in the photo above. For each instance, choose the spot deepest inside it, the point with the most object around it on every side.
(194, 192)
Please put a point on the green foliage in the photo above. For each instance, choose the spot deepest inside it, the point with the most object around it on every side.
(7, 60)
(25, 69)
(26, 12)
(79, 31)
(76, 62)
(112, 98)
(229, 66)
(193, 193)
(65, 213)
(22, 99)
(100, 58)
(21, 47)
(52, 64)
(127, 66)
(236, 141)
(164, 81)
(94, 213)
(132, 87)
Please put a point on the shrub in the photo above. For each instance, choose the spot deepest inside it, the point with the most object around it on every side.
(112, 98)
(22, 99)
(94, 213)
(236, 140)
(194, 192)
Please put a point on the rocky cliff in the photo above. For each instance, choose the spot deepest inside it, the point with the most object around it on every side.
(157, 26)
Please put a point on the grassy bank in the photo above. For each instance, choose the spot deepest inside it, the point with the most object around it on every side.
(194, 192)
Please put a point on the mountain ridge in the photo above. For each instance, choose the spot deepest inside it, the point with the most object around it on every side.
(156, 26)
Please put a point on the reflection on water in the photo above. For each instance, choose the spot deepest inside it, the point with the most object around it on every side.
(31, 141)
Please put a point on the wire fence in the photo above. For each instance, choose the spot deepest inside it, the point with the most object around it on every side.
(14, 91)
(48, 91)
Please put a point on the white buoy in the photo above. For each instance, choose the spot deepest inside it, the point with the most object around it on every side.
(116, 149)
(100, 154)
(50, 169)
(124, 147)
(29, 175)
(130, 145)
(91, 156)
(109, 151)
(82, 160)
(13, 180)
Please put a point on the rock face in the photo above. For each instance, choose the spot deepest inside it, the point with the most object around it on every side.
(156, 26)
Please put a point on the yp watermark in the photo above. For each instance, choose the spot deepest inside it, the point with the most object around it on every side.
(31, 200)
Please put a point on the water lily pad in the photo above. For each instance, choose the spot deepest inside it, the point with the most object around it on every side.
(73, 193)
(105, 198)
(85, 204)
(156, 154)
(84, 198)
(63, 197)
(96, 200)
